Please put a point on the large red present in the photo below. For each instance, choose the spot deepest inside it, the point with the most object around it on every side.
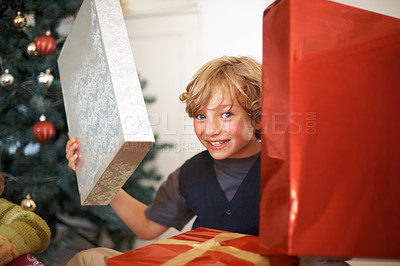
(201, 246)
(330, 150)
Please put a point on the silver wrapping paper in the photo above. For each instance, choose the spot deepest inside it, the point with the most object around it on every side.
(103, 100)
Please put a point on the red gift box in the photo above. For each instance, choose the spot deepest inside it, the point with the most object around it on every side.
(330, 150)
(201, 246)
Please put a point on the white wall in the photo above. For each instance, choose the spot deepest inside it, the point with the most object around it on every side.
(386, 7)
(165, 48)
(231, 27)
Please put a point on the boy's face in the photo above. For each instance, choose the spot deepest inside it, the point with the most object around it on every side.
(225, 128)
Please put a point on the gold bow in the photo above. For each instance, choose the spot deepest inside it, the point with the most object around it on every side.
(212, 245)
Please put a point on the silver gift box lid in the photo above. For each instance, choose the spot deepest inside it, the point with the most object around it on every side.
(103, 100)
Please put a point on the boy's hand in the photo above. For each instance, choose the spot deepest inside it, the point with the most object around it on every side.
(72, 153)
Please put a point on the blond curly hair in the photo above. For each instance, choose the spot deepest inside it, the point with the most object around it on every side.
(241, 75)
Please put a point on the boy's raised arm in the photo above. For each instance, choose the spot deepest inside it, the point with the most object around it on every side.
(130, 210)
(132, 213)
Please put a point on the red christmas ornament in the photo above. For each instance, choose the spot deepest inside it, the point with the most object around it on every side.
(43, 130)
(45, 43)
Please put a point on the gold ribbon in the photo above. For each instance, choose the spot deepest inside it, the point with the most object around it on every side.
(213, 244)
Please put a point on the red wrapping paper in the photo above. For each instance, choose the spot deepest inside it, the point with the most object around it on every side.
(25, 260)
(203, 246)
(330, 148)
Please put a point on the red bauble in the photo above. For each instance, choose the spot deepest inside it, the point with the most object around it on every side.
(45, 43)
(43, 130)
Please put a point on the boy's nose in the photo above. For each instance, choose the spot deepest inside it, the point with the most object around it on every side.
(213, 127)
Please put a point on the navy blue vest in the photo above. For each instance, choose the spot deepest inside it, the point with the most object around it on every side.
(202, 192)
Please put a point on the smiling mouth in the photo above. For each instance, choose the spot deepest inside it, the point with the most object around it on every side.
(218, 144)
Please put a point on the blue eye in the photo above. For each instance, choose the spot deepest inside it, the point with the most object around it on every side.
(226, 115)
(200, 116)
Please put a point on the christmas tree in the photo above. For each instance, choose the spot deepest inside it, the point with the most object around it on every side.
(33, 161)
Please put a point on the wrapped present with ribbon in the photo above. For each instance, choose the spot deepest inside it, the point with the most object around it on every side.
(201, 246)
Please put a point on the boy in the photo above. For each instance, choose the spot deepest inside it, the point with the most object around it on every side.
(220, 185)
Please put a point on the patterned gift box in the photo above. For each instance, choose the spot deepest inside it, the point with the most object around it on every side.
(201, 246)
(103, 100)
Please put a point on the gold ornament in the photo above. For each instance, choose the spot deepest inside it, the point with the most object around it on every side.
(28, 204)
(6, 79)
(45, 79)
(19, 21)
(31, 49)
